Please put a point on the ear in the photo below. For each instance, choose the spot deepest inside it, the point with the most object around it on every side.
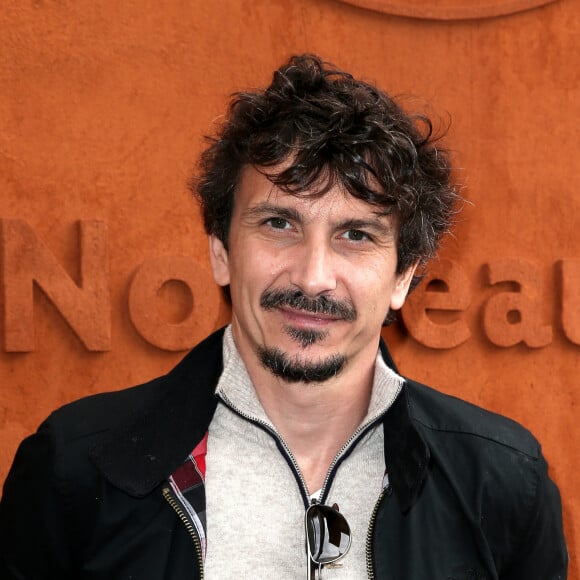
(218, 256)
(401, 288)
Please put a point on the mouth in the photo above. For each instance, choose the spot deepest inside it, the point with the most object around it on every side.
(303, 318)
(320, 310)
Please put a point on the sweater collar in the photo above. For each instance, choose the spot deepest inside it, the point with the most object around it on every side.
(235, 386)
(139, 456)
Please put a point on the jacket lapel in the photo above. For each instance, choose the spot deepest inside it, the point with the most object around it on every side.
(406, 453)
(139, 456)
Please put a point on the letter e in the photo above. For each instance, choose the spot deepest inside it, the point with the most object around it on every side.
(419, 310)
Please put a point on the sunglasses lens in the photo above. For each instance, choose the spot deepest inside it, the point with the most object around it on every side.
(328, 534)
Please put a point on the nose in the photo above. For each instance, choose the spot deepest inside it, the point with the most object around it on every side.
(313, 269)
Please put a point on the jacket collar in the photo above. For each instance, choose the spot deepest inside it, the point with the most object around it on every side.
(406, 452)
(139, 456)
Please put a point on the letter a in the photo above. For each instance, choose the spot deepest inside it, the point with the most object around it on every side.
(511, 317)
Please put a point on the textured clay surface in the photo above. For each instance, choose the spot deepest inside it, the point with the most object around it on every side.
(104, 278)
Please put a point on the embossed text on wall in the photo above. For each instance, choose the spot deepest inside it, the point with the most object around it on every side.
(86, 306)
(433, 315)
(511, 315)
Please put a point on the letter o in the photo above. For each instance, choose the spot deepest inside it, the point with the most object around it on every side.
(144, 292)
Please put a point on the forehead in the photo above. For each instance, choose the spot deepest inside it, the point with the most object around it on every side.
(255, 189)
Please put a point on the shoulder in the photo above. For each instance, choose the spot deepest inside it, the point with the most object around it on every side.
(102, 412)
(492, 465)
(495, 468)
(111, 411)
(59, 452)
(439, 416)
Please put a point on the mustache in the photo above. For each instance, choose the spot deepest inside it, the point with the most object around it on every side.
(342, 309)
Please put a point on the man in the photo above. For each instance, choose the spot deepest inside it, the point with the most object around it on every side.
(287, 445)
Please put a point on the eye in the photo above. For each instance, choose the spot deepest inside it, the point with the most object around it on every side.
(356, 236)
(278, 223)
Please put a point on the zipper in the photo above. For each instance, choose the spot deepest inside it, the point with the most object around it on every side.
(288, 455)
(362, 430)
(369, 541)
(175, 505)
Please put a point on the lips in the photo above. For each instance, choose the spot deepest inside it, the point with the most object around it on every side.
(304, 317)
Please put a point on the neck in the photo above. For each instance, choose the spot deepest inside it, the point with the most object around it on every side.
(316, 419)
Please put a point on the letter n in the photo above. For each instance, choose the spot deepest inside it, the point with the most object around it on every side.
(28, 261)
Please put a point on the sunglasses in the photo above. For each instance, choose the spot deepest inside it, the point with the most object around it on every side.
(328, 537)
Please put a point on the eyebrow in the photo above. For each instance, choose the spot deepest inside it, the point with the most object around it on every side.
(268, 209)
(377, 225)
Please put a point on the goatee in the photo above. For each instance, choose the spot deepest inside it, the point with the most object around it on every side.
(298, 370)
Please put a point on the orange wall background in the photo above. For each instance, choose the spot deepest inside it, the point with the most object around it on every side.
(103, 105)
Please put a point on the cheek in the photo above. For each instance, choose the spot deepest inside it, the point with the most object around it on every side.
(268, 266)
(254, 272)
(373, 290)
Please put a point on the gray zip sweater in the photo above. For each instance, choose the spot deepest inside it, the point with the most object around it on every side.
(259, 533)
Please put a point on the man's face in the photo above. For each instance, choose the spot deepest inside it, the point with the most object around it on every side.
(311, 280)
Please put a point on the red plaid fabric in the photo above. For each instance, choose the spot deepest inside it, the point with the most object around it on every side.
(187, 481)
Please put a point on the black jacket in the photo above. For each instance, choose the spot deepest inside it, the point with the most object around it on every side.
(470, 498)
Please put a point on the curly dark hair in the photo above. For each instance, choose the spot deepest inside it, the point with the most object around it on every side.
(333, 129)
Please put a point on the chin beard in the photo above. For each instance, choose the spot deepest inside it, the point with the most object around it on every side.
(305, 337)
(298, 370)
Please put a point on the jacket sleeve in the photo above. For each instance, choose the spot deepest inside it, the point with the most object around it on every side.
(33, 513)
(542, 552)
